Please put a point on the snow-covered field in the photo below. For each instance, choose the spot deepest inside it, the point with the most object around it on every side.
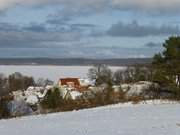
(51, 72)
(122, 119)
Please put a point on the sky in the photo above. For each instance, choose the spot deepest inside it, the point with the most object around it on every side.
(86, 28)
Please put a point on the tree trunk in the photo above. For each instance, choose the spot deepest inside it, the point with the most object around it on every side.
(178, 81)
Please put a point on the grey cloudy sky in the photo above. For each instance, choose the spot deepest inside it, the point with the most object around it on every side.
(89, 29)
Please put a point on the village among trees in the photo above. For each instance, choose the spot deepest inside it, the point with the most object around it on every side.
(22, 95)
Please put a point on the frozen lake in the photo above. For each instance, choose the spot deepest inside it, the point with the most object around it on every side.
(51, 72)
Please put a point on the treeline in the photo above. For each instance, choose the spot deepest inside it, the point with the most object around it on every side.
(164, 70)
(17, 81)
(102, 74)
(14, 82)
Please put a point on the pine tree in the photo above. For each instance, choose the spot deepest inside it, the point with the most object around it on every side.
(167, 65)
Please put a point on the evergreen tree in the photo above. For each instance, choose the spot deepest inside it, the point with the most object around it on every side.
(167, 65)
(53, 99)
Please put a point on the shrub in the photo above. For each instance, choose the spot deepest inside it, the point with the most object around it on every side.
(122, 95)
(136, 99)
(53, 99)
(4, 113)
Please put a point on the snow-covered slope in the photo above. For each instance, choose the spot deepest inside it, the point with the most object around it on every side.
(126, 119)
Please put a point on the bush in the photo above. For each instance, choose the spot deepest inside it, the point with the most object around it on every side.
(122, 96)
(4, 113)
(19, 108)
(53, 99)
(136, 99)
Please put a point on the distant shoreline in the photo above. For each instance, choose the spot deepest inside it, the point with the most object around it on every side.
(73, 61)
(51, 72)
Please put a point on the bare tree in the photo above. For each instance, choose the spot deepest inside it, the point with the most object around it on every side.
(3, 85)
(100, 73)
(118, 77)
(44, 82)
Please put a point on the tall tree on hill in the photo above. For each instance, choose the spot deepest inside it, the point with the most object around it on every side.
(167, 65)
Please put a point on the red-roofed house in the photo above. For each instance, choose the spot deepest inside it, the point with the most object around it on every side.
(73, 83)
(70, 82)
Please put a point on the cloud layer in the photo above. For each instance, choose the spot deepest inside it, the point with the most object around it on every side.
(99, 4)
(153, 45)
(40, 35)
(69, 28)
(134, 29)
(54, 35)
(147, 4)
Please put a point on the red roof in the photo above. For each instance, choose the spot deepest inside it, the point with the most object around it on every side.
(67, 81)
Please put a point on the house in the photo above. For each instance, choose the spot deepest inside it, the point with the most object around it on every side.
(86, 82)
(18, 95)
(75, 95)
(32, 95)
(73, 88)
(40, 92)
(74, 84)
(67, 93)
(70, 82)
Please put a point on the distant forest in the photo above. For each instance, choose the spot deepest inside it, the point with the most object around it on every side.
(74, 61)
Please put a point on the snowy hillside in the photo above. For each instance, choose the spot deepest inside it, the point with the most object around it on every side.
(127, 119)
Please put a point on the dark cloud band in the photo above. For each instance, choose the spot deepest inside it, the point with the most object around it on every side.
(134, 29)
